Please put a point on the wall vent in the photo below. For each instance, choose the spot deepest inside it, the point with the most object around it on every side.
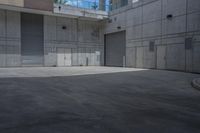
(119, 27)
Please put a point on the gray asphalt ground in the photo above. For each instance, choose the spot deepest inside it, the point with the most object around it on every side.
(97, 100)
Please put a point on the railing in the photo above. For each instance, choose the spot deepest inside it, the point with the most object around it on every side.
(117, 4)
(86, 4)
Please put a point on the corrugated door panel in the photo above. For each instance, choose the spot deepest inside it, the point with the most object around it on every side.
(32, 48)
(115, 48)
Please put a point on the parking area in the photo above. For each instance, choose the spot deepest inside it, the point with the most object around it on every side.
(97, 100)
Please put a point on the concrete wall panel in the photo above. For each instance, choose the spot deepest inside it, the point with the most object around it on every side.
(193, 6)
(65, 29)
(152, 11)
(13, 2)
(196, 58)
(161, 57)
(10, 39)
(98, 54)
(139, 57)
(81, 36)
(174, 7)
(13, 24)
(193, 22)
(50, 57)
(134, 17)
(102, 53)
(93, 56)
(49, 28)
(152, 29)
(147, 20)
(81, 57)
(46, 5)
(149, 59)
(131, 57)
(175, 57)
(75, 57)
(13, 57)
(89, 31)
(134, 32)
(174, 26)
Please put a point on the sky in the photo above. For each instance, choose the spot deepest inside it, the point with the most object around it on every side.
(83, 3)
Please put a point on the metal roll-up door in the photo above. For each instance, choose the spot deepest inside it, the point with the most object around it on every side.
(32, 48)
(115, 49)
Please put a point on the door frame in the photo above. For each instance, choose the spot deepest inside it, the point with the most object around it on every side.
(105, 50)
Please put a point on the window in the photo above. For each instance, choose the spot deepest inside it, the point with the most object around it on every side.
(88, 4)
(115, 4)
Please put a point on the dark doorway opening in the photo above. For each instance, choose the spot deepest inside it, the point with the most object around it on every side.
(115, 49)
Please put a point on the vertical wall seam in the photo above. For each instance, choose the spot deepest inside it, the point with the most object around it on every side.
(142, 35)
(186, 17)
(6, 39)
(161, 37)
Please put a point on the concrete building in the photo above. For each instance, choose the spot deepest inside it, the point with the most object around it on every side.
(157, 34)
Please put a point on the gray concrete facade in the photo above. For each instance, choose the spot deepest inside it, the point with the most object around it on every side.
(83, 37)
(160, 34)
(171, 27)
(10, 38)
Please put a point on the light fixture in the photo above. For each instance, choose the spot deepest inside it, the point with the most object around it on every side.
(169, 16)
(64, 27)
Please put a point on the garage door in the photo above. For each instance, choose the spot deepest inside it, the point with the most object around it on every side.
(115, 47)
(32, 48)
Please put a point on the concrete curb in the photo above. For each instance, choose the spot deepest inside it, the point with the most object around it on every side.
(196, 83)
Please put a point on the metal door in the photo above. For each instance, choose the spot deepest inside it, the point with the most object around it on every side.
(64, 57)
(115, 49)
(32, 39)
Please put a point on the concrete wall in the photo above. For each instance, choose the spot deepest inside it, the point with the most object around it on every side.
(13, 2)
(85, 38)
(146, 21)
(10, 39)
(46, 5)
